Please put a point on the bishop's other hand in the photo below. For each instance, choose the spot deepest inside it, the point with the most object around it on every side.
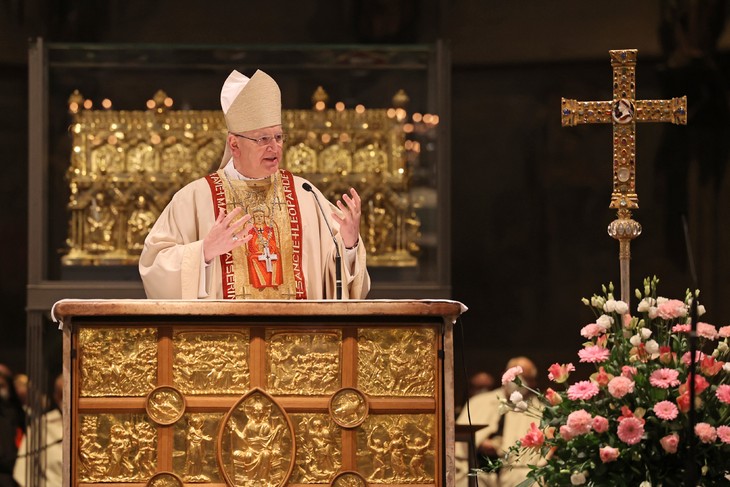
(350, 219)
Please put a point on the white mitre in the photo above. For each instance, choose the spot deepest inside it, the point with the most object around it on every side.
(249, 104)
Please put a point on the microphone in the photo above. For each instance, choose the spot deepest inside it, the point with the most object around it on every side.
(338, 258)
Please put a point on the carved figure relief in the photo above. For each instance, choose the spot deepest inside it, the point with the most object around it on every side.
(211, 363)
(396, 362)
(303, 363)
(256, 442)
(117, 361)
(319, 448)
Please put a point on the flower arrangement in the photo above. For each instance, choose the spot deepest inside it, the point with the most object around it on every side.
(628, 425)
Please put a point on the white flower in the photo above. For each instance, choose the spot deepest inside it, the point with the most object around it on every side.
(726, 367)
(515, 397)
(605, 322)
(652, 347)
(598, 301)
(653, 312)
(578, 478)
(645, 483)
(621, 307)
(661, 299)
(722, 347)
(645, 333)
(635, 340)
(521, 406)
(645, 304)
(610, 306)
(701, 310)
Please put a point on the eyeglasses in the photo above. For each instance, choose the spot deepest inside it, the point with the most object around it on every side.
(265, 140)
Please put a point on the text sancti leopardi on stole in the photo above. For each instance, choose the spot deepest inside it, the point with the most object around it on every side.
(269, 266)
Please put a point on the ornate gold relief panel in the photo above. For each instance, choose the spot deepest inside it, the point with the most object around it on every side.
(126, 165)
(397, 449)
(194, 456)
(116, 448)
(396, 362)
(319, 448)
(256, 442)
(211, 362)
(117, 361)
(303, 363)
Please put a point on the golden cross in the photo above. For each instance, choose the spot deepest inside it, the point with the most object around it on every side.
(623, 112)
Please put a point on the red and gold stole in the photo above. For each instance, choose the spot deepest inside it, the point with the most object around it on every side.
(241, 269)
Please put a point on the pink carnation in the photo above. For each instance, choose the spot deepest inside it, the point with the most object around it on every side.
(705, 432)
(698, 357)
(628, 371)
(630, 430)
(511, 374)
(705, 330)
(724, 331)
(664, 378)
(584, 389)
(594, 354)
(681, 328)
(608, 454)
(670, 309)
(723, 432)
(620, 386)
(600, 424)
(566, 433)
(534, 437)
(591, 330)
(723, 393)
(666, 410)
(559, 373)
(580, 422)
(670, 443)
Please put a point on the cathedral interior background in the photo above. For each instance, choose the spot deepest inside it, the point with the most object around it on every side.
(528, 198)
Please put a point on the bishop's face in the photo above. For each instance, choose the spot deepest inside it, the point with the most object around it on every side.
(257, 158)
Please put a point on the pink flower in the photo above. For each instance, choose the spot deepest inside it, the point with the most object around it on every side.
(608, 454)
(628, 371)
(723, 393)
(670, 443)
(592, 330)
(683, 402)
(666, 410)
(681, 328)
(602, 378)
(672, 308)
(580, 422)
(724, 331)
(705, 330)
(698, 357)
(664, 378)
(630, 430)
(620, 386)
(700, 385)
(600, 424)
(582, 390)
(559, 373)
(566, 433)
(534, 437)
(594, 354)
(710, 367)
(705, 432)
(553, 397)
(511, 374)
(723, 432)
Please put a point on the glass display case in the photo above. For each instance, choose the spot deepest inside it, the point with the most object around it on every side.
(115, 130)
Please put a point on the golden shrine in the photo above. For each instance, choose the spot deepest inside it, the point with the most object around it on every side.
(126, 165)
(173, 393)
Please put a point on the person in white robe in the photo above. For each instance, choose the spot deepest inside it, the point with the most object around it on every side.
(204, 246)
(503, 429)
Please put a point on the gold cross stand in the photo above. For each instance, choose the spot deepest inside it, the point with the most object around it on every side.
(623, 112)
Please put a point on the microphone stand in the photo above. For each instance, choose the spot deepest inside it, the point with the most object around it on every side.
(692, 474)
(338, 257)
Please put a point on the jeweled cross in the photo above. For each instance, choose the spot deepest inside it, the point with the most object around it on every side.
(268, 257)
(623, 112)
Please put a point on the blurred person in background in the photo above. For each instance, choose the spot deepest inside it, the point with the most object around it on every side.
(12, 427)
